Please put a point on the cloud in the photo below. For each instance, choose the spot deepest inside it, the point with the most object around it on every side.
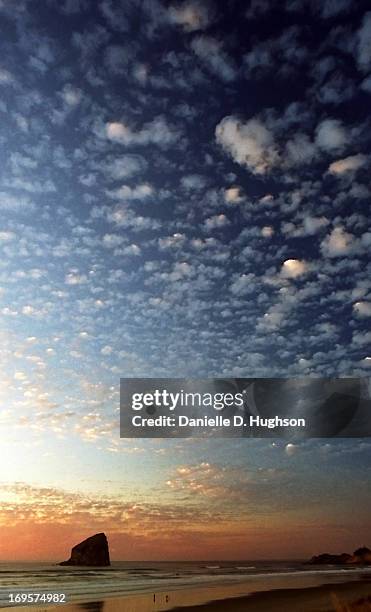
(121, 216)
(172, 242)
(6, 78)
(157, 132)
(293, 268)
(330, 8)
(309, 227)
(193, 182)
(366, 84)
(347, 164)
(331, 135)
(362, 309)
(131, 249)
(125, 192)
(125, 166)
(300, 150)
(267, 231)
(338, 243)
(243, 284)
(364, 43)
(7, 236)
(210, 51)
(111, 241)
(250, 144)
(191, 15)
(281, 55)
(74, 278)
(217, 221)
(291, 449)
(15, 203)
(336, 90)
(362, 338)
(232, 195)
(71, 95)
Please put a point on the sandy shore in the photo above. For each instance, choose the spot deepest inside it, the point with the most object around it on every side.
(315, 599)
(243, 597)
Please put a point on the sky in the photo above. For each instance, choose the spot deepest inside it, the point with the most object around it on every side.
(184, 192)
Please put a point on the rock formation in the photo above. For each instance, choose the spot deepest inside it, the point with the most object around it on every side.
(93, 551)
(361, 556)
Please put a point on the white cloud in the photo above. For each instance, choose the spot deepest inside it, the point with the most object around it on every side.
(132, 249)
(366, 240)
(309, 227)
(232, 195)
(291, 449)
(250, 144)
(28, 310)
(364, 43)
(190, 15)
(331, 135)
(140, 192)
(362, 338)
(243, 284)
(292, 268)
(193, 182)
(362, 309)
(10, 202)
(20, 376)
(74, 278)
(210, 51)
(111, 241)
(5, 77)
(174, 241)
(267, 231)
(348, 164)
(337, 243)
(157, 132)
(71, 95)
(126, 166)
(106, 350)
(300, 150)
(216, 221)
(7, 236)
(181, 269)
(272, 319)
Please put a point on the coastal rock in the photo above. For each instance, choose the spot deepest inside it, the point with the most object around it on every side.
(361, 556)
(91, 552)
(326, 559)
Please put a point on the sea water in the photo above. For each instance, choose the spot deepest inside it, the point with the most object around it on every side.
(128, 578)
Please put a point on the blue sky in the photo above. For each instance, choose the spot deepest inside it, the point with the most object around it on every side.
(184, 192)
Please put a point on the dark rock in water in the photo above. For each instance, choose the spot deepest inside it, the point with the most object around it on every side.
(361, 556)
(91, 552)
(326, 559)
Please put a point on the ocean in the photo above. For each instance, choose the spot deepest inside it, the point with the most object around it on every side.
(127, 578)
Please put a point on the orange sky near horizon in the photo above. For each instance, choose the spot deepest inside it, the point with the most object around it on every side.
(41, 524)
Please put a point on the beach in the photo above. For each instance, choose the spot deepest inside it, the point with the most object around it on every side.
(277, 595)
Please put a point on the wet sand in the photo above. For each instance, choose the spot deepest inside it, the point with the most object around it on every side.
(241, 597)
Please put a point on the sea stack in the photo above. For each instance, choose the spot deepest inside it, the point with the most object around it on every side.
(91, 552)
(361, 556)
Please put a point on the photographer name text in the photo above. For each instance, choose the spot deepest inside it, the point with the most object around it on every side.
(217, 421)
